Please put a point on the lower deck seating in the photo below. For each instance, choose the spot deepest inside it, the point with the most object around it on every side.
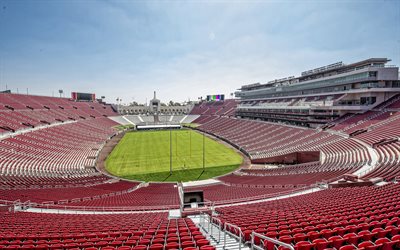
(25, 230)
(331, 218)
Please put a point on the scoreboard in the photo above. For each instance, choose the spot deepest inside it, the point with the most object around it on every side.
(215, 98)
(77, 96)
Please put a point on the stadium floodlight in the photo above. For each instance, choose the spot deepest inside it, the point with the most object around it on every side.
(170, 151)
(176, 143)
(60, 91)
(204, 152)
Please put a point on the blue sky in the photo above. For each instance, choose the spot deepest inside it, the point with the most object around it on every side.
(183, 49)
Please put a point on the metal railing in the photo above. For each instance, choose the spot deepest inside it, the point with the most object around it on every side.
(6, 202)
(208, 223)
(205, 218)
(60, 208)
(268, 239)
(235, 232)
(218, 223)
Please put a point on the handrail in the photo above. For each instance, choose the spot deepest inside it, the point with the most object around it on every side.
(217, 222)
(6, 202)
(205, 217)
(103, 209)
(212, 222)
(239, 236)
(261, 236)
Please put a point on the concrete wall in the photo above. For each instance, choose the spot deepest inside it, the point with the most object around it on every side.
(292, 158)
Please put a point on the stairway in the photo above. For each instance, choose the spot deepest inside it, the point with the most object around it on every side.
(216, 236)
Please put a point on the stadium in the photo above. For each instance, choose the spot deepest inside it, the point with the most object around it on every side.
(306, 162)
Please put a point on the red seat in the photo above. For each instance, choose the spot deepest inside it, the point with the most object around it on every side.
(365, 244)
(194, 229)
(396, 239)
(156, 247)
(27, 246)
(380, 232)
(202, 242)
(337, 241)
(326, 233)
(186, 238)
(138, 233)
(393, 230)
(351, 228)
(347, 247)
(70, 245)
(299, 237)
(351, 238)
(247, 235)
(172, 245)
(381, 241)
(124, 248)
(101, 244)
(54, 246)
(304, 245)
(158, 241)
(312, 235)
(286, 239)
(386, 244)
(116, 243)
(207, 248)
(320, 244)
(269, 245)
(130, 242)
(41, 247)
(172, 239)
(198, 237)
(283, 248)
(271, 234)
(285, 232)
(144, 242)
(339, 231)
(187, 244)
(366, 235)
(140, 247)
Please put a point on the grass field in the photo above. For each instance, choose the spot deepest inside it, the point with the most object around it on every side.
(145, 156)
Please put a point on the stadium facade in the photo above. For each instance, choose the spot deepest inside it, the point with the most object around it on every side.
(154, 107)
(320, 95)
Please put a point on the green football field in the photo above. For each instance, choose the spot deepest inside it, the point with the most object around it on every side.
(146, 156)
